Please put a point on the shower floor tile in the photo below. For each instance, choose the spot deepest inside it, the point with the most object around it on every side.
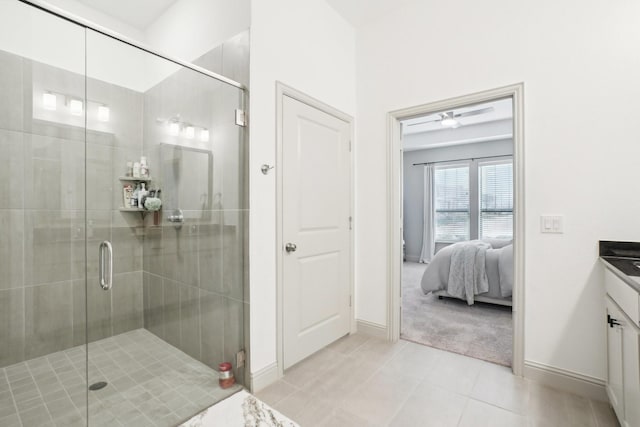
(149, 382)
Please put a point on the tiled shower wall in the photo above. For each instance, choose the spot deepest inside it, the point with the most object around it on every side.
(187, 286)
(42, 199)
(194, 277)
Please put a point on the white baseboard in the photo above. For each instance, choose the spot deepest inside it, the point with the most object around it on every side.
(412, 258)
(264, 377)
(562, 379)
(372, 329)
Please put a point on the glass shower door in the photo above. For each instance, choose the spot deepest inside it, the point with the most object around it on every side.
(164, 165)
(42, 219)
(122, 229)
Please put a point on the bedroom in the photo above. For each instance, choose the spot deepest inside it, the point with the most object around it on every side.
(458, 230)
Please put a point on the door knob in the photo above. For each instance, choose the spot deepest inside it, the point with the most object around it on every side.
(290, 247)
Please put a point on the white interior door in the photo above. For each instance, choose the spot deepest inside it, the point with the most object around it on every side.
(316, 205)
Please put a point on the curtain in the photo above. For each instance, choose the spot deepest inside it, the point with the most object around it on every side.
(428, 244)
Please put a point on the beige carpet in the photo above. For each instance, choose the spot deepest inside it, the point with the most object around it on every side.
(482, 331)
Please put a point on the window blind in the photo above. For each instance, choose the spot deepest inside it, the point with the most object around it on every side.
(496, 200)
(452, 216)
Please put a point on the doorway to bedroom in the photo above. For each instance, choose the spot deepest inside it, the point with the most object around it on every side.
(457, 215)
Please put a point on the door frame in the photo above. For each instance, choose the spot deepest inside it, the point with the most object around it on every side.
(394, 207)
(283, 90)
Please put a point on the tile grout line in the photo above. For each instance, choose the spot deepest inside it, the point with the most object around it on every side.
(296, 389)
(65, 388)
(404, 402)
(466, 405)
(373, 374)
(495, 406)
(135, 346)
(13, 398)
(61, 384)
(593, 413)
(38, 388)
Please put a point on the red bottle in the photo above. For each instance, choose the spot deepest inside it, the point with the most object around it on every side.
(226, 375)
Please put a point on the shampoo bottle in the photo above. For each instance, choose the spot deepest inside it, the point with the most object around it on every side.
(128, 194)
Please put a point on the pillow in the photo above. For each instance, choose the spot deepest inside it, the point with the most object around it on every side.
(498, 243)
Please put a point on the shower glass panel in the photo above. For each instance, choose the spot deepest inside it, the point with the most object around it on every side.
(175, 310)
(113, 313)
(42, 228)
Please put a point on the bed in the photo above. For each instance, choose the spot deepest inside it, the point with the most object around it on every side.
(492, 284)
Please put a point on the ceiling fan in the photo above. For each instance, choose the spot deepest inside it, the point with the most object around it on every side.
(448, 119)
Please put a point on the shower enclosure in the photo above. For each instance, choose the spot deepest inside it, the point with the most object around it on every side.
(111, 313)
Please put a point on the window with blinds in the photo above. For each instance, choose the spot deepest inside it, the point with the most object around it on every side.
(451, 203)
(496, 200)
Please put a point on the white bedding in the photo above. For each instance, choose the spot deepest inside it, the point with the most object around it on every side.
(467, 272)
(498, 266)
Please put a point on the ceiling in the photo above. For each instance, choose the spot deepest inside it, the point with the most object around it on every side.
(141, 16)
(358, 12)
(502, 110)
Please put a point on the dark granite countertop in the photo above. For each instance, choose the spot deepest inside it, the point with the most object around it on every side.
(619, 258)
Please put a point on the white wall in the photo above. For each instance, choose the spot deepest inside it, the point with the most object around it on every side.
(306, 45)
(83, 11)
(28, 32)
(579, 61)
(45, 38)
(191, 28)
(186, 30)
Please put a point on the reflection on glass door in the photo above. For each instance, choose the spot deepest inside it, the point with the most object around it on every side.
(42, 224)
(122, 229)
(163, 187)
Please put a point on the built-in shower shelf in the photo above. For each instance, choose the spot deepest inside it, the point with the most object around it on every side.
(134, 179)
(143, 212)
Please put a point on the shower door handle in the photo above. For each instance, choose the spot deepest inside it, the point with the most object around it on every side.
(105, 268)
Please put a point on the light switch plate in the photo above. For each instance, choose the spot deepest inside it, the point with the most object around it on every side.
(552, 224)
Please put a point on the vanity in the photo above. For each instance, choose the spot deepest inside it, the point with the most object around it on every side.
(622, 302)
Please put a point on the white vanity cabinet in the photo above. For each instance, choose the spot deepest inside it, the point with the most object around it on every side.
(623, 349)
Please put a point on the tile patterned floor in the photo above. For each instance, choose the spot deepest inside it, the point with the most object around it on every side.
(150, 383)
(362, 381)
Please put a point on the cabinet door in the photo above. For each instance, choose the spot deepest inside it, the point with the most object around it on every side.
(631, 371)
(615, 385)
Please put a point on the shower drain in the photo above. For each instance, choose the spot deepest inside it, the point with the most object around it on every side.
(98, 386)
